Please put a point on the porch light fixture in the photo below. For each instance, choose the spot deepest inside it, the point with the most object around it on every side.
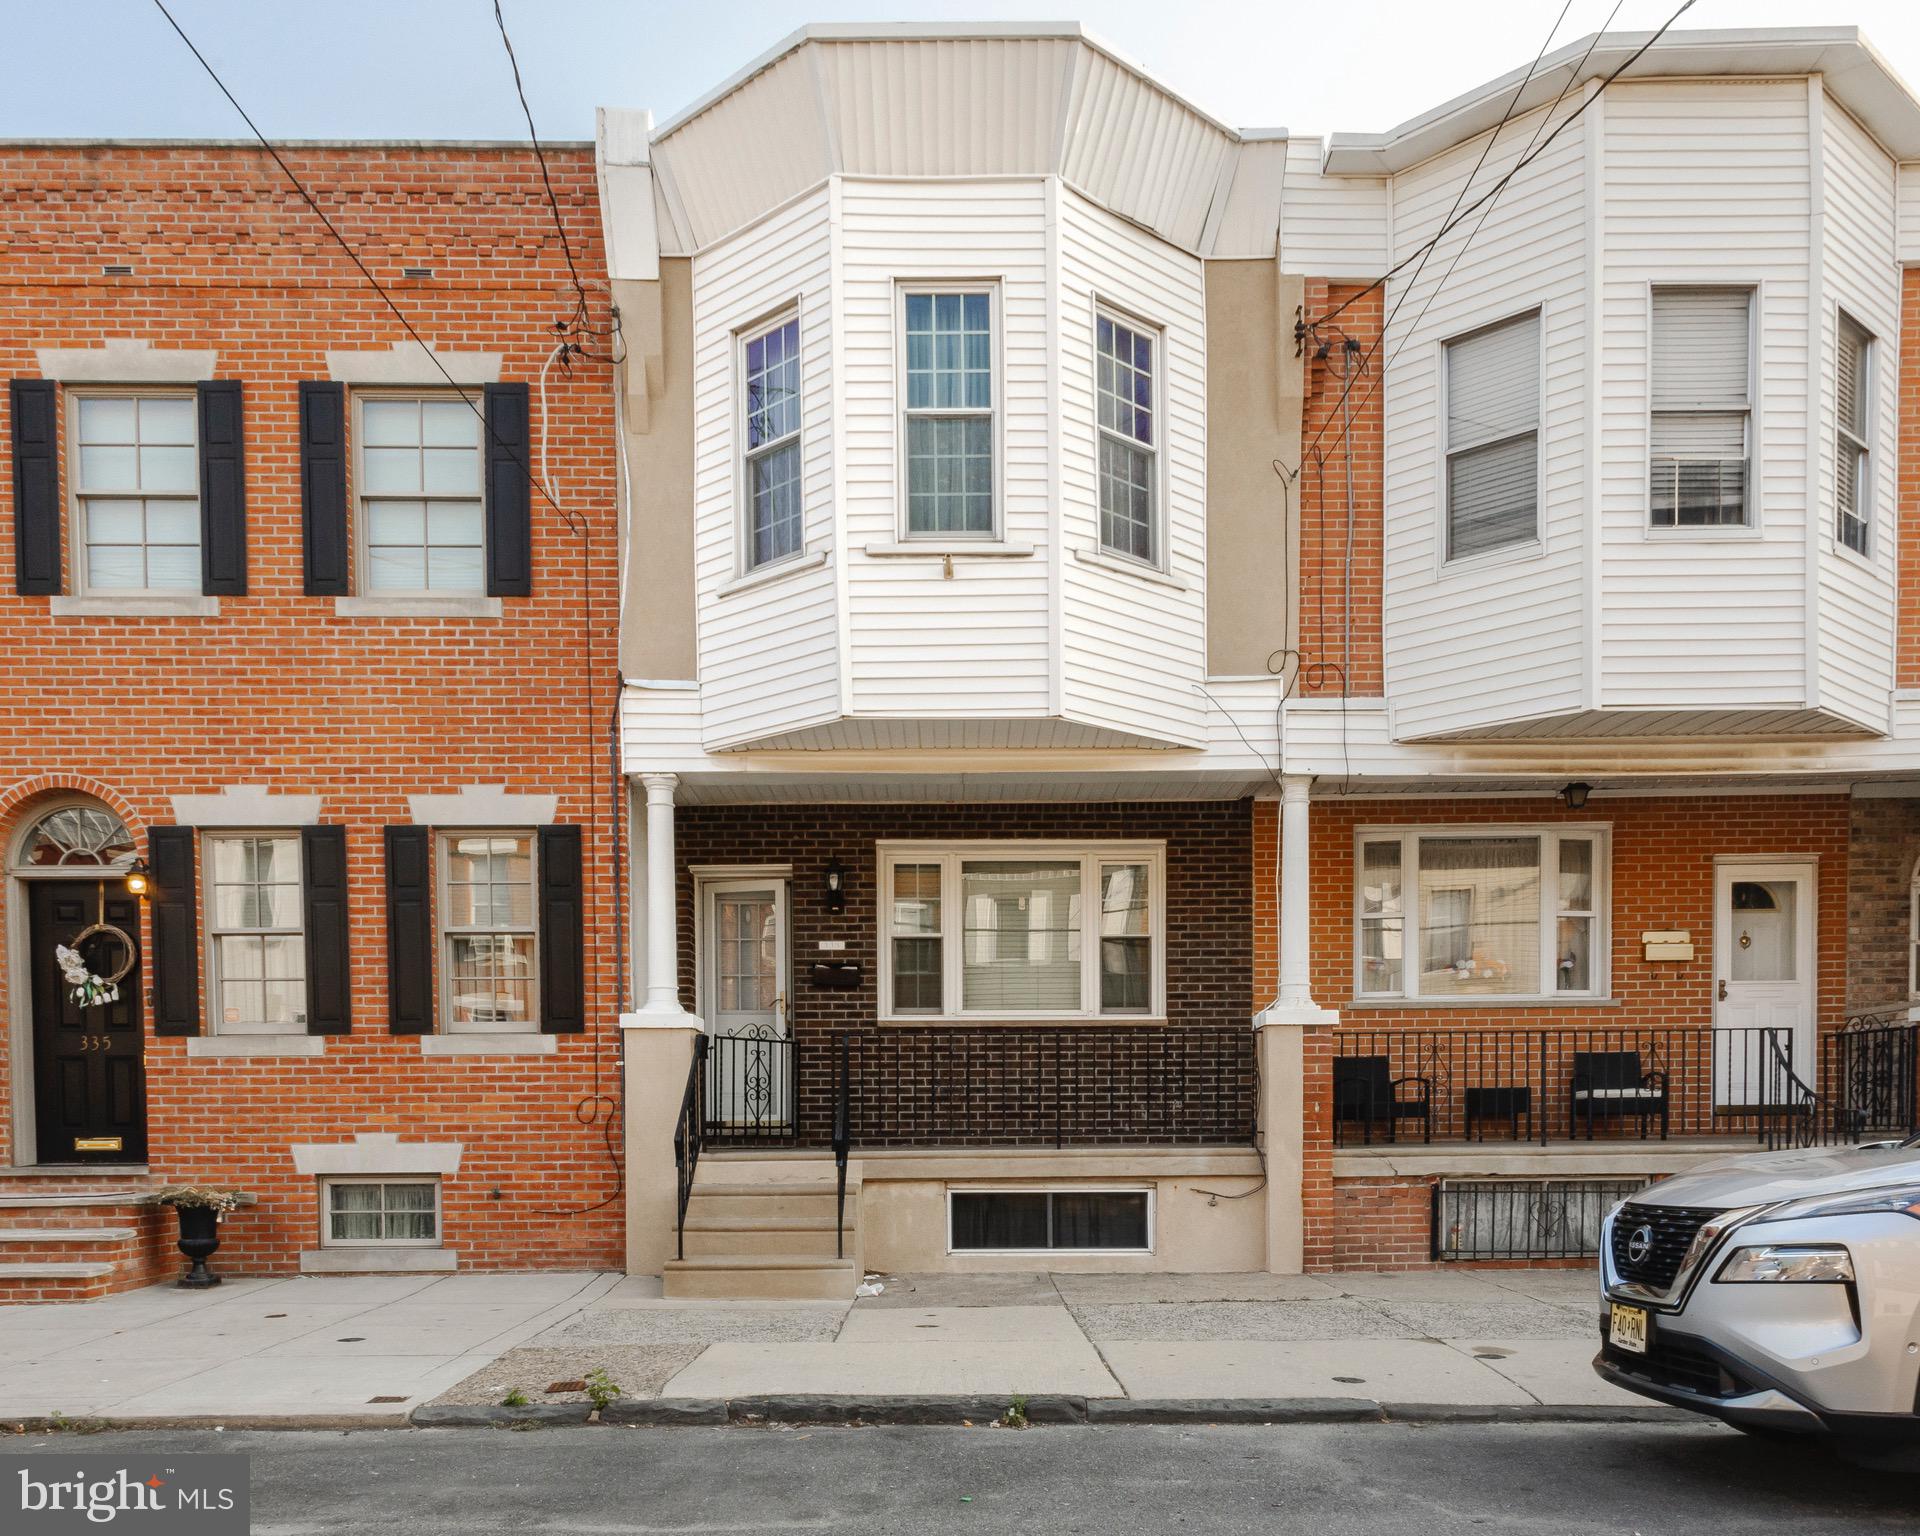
(137, 882)
(836, 886)
(1574, 796)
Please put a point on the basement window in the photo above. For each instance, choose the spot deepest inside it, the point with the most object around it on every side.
(1050, 1220)
(388, 1213)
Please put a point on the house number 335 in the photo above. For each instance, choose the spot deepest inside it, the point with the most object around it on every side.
(96, 1042)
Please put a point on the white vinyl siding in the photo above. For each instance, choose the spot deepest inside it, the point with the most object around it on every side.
(1126, 398)
(256, 940)
(1852, 393)
(1022, 931)
(770, 434)
(1701, 406)
(419, 475)
(1501, 914)
(947, 348)
(488, 936)
(135, 468)
(1493, 438)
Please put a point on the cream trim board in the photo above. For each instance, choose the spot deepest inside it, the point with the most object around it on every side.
(482, 805)
(247, 805)
(134, 605)
(515, 1043)
(255, 1045)
(409, 363)
(376, 1153)
(449, 605)
(125, 362)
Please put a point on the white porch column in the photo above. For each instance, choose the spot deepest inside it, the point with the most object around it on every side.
(663, 907)
(1282, 1030)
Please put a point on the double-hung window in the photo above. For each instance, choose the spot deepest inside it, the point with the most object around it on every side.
(1493, 438)
(137, 492)
(1852, 398)
(1023, 930)
(1124, 394)
(488, 932)
(420, 478)
(770, 364)
(256, 941)
(1490, 913)
(948, 342)
(1701, 409)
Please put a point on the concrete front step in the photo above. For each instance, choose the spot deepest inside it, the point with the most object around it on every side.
(713, 1229)
(72, 1235)
(760, 1277)
(815, 1200)
(80, 1235)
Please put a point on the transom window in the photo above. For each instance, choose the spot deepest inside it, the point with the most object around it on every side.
(420, 483)
(1487, 913)
(771, 363)
(1124, 393)
(488, 932)
(949, 410)
(256, 958)
(1022, 930)
(1697, 476)
(1493, 438)
(1852, 397)
(392, 1213)
(137, 492)
(78, 837)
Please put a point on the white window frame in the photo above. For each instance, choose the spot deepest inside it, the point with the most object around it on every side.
(357, 500)
(1520, 549)
(1844, 436)
(77, 495)
(951, 855)
(1600, 834)
(212, 932)
(1155, 449)
(743, 474)
(1677, 530)
(996, 412)
(1149, 1190)
(445, 932)
(328, 1240)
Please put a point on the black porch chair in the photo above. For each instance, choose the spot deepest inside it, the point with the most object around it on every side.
(1366, 1093)
(1611, 1085)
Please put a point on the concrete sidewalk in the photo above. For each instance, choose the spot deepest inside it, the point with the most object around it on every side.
(369, 1350)
(1493, 1340)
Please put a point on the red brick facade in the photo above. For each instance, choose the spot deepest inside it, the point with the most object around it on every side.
(280, 690)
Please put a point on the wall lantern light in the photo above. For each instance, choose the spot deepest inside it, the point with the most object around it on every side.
(836, 886)
(1575, 796)
(137, 881)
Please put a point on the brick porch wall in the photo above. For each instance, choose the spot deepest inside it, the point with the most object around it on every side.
(1883, 850)
(1209, 941)
(279, 690)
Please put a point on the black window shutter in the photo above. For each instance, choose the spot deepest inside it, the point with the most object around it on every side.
(509, 492)
(176, 932)
(223, 490)
(36, 488)
(563, 958)
(410, 930)
(323, 488)
(323, 873)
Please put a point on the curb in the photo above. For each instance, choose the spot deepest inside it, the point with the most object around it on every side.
(489, 1415)
(1234, 1410)
(38, 1424)
(1538, 1413)
(901, 1409)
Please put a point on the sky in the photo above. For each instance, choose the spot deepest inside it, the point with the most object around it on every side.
(436, 68)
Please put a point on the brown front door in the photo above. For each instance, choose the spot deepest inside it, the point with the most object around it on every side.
(90, 1098)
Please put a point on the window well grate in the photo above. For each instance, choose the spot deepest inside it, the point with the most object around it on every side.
(1523, 1218)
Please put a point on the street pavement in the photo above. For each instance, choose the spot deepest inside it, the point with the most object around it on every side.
(1329, 1480)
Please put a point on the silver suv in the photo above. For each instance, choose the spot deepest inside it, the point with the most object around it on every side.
(1780, 1292)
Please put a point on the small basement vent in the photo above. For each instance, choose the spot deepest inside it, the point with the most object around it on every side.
(416, 271)
(117, 269)
(1523, 1218)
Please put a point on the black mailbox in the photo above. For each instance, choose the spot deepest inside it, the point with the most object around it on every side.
(838, 975)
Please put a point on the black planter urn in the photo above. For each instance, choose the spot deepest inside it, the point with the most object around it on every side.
(199, 1239)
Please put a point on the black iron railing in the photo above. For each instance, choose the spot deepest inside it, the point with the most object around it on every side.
(842, 1140)
(1438, 1084)
(1484, 1219)
(1866, 1083)
(689, 1134)
(750, 1090)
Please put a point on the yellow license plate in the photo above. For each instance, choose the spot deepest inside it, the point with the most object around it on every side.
(1627, 1328)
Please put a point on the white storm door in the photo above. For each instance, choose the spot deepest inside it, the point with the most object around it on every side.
(1763, 966)
(749, 1070)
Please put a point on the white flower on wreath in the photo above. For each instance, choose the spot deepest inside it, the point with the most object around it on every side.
(88, 990)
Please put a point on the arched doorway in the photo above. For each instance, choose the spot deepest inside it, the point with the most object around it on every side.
(83, 1060)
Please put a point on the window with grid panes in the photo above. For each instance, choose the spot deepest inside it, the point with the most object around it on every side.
(1124, 397)
(949, 411)
(256, 941)
(488, 932)
(770, 361)
(1852, 484)
(422, 523)
(136, 476)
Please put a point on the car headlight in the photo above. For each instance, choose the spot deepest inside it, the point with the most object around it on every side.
(1895, 1199)
(1791, 1264)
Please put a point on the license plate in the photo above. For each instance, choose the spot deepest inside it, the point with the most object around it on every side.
(1627, 1328)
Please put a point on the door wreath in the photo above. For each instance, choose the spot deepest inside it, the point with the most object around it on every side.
(88, 988)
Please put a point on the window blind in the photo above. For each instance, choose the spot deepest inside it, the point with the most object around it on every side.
(1493, 418)
(1700, 341)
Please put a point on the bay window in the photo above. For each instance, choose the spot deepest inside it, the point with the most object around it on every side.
(1498, 913)
(1022, 931)
(949, 424)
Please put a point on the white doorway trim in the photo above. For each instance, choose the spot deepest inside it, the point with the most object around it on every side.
(1804, 870)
